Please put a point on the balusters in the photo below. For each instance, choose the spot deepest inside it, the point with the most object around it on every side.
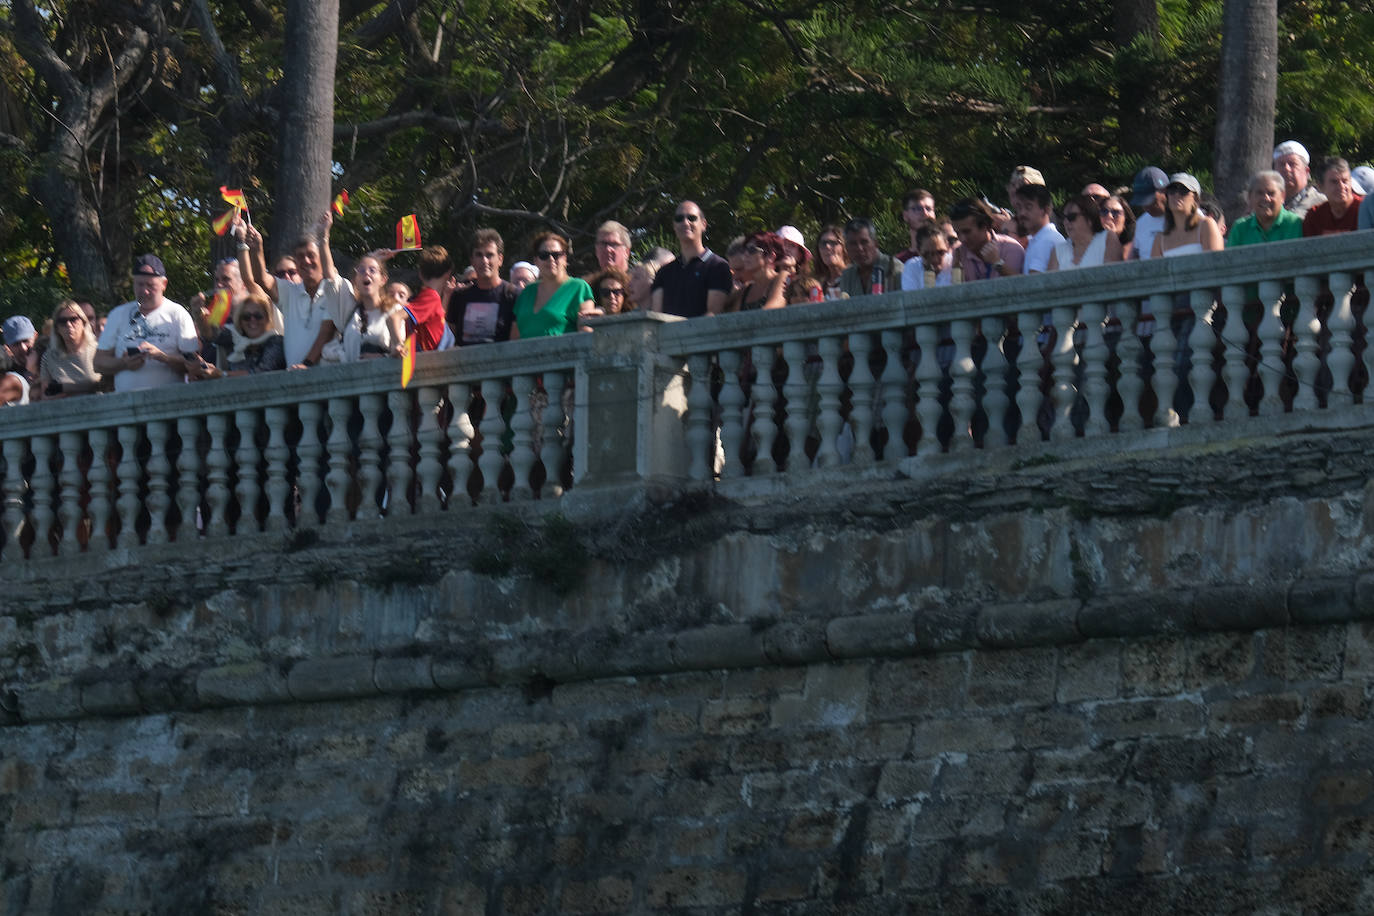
(863, 389)
(699, 425)
(337, 479)
(159, 470)
(1129, 352)
(1028, 364)
(797, 390)
(460, 436)
(551, 451)
(277, 456)
(1095, 354)
(762, 402)
(1063, 389)
(310, 451)
(1270, 332)
(493, 427)
(996, 398)
(128, 471)
(1235, 342)
(15, 489)
(399, 475)
(70, 444)
(189, 471)
(1306, 328)
(731, 415)
(961, 401)
(522, 440)
(246, 488)
(928, 390)
(1341, 358)
(829, 387)
(217, 477)
(41, 485)
(894, 411)
(1164, 345)
(101, 506)
(1201, 376)
(431, 467)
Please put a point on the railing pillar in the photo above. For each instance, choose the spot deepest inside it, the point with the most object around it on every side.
(630, 404)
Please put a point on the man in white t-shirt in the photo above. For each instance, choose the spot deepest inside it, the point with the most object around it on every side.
(1034, 207)
(1147, 196)
(316, 306)
(151, 341)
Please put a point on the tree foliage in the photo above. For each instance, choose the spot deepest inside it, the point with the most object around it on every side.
(528, 114)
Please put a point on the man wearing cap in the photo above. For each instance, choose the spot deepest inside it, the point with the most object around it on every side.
(19, 338)
(1147, 195)
(151, 341)
(1340, 211)
(918, 209)
(1292, 162)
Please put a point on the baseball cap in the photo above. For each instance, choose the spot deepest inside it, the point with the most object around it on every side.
(149, 265)
(17, 328)
(1148, 182)
(1365, 176)
(793, 234)
(1292, 147)
(1188, 181)
(1028, 174)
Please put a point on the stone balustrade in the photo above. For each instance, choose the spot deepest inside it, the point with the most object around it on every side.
(872, 383)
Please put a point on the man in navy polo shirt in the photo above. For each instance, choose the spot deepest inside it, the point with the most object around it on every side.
(699, 281)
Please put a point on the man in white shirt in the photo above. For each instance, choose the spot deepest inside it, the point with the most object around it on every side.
(1034, 207)
(151, 341)
(316, 306)
(1147, 195)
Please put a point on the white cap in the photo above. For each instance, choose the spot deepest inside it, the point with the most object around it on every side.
(527, 265)
(1292, 147)
(792, 234)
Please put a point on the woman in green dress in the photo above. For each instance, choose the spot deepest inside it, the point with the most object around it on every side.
(551, 306)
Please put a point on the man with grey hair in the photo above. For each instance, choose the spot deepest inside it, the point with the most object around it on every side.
(1292, 162)
(1340, 211)
(613, 246)
(1267, 221)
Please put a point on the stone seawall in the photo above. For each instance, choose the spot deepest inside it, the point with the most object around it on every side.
(1139, 683)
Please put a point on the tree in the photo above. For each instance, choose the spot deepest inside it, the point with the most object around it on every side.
(306, 129)
(1246, 96)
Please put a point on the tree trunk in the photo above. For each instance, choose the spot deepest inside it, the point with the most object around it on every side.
(1248, 86)
(306, 136)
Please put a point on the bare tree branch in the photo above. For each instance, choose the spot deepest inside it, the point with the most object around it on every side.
(400, 122)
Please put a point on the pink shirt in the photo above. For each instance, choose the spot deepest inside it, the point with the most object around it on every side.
(975, 268)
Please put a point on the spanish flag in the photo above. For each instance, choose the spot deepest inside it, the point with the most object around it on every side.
(408, 233)
(340, 202)
(219, 308)
(408, 361)
(222, 223)
(233, 197)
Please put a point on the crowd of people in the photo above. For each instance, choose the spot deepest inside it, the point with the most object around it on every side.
(301, 312)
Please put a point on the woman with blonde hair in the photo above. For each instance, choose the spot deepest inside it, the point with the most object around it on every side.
(251, 342)
(67, 366)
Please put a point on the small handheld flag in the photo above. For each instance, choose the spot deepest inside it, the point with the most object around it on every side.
(408, 233)
(222, 223)
(219, 308)
(407, 361)
(234, 197)
(340, 202)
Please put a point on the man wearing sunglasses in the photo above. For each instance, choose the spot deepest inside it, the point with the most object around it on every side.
(699, 281)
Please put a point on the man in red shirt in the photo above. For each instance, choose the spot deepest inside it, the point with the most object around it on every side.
(1340, 212)
(426, 309)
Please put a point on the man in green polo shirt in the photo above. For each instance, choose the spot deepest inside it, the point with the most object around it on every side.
(1268, 220)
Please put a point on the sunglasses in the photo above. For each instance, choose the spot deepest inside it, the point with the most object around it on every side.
(547, 255)
(1070, 217)
(71, 319)
(253, 316)
(611, 291)
(685, 217)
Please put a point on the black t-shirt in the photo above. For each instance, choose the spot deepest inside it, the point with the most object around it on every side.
(685, 285)
(479, 316)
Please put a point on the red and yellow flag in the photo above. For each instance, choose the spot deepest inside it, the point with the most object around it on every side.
(219, 308)
(408, 233)
(408, 361)
(222, 223)
(233, 197)
(340, 202)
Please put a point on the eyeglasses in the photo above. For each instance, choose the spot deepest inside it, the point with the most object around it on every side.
(831, 243)
(548, 255)
(611, 291)
(753, 249)
(253, 316)
(685, 217)
(283, 274)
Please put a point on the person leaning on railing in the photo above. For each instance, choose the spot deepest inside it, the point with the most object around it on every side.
(251, 342)
(551, 306)
(68, 364)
